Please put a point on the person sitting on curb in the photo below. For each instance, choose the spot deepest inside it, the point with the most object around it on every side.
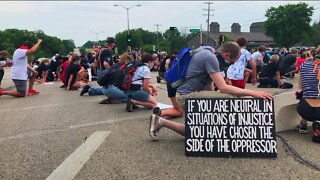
(21, 71)
(309, 104)
(204, 61)
(142, 92)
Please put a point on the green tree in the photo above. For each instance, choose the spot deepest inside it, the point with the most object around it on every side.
(177, 42)
(11, 39)
(68, 45)
(286, 24)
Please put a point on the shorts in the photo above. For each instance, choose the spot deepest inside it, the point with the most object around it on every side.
(21, 85)
(308, 112)
(201, 94)
(171, 91)
(238, 83)
(139, 95)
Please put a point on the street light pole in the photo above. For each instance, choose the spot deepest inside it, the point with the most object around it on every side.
(127, 8)
(158, 35)
(97, 34)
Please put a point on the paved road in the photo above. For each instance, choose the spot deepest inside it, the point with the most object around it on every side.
(40, 134)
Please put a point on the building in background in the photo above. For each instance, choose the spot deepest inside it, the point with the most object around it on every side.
(255, 37)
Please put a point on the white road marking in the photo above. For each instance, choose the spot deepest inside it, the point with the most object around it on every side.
(46, 106)
(42, 132)
(72, 165)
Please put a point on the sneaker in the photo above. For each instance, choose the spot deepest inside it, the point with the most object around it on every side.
(1, 90)
(107, 101)
(62, 86)
(158, 79)
(135, 106)
(85, 90)
(129, 107)
(316, 131)
(302, 128)
(33, 92)
(157, 111)
(154, 126)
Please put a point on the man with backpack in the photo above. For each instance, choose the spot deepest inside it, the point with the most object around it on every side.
(104, 58)
(202, 70)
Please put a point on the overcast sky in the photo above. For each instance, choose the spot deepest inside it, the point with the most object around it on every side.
(83, 20)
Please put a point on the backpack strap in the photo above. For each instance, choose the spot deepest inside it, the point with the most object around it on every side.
(99, 56)
(137, 65)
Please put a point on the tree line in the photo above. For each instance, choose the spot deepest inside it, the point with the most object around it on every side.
(11, 39)
(148, 41)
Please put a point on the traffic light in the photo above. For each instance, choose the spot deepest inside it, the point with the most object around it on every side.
(173, 28)
(221, 38)
(129, 38)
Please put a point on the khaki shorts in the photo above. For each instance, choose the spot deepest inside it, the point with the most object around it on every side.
(202, 94)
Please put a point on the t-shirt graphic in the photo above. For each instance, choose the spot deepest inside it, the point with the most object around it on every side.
(236, 70)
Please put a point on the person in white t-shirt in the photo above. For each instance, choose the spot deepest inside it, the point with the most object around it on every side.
(21, 71)
(258, 57)
(142, 92)
(237, 72)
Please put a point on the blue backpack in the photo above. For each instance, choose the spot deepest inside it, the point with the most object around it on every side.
(176, 74)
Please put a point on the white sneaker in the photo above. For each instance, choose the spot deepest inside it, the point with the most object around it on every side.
(154, 126)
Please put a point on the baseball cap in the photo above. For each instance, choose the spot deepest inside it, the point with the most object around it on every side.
(110, 40)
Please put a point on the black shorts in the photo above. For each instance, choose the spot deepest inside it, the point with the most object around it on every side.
(308, 112)
(171, 91)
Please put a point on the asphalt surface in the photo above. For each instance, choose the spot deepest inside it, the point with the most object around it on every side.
(39, 132)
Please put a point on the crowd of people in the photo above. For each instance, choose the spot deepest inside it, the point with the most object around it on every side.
(222, 72)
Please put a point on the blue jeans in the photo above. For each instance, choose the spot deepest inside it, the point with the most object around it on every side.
(96, 91)
(115, 93)
(139, 95)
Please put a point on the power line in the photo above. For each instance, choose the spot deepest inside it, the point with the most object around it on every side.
(208, 20)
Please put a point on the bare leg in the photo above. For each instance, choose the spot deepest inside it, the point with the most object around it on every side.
(13, 93)
(77, 85)
(176, 111)
(175, 126)
(152, 103)
(31, 80)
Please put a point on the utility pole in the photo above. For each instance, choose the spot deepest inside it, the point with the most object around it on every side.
(158, 36)
(208, 20)
(201, 35)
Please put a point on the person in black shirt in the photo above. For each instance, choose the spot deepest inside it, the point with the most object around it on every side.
(42, 70)
(270, 74)
(165, 64)
(287, 64)
(104, 58)
(72, 82)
